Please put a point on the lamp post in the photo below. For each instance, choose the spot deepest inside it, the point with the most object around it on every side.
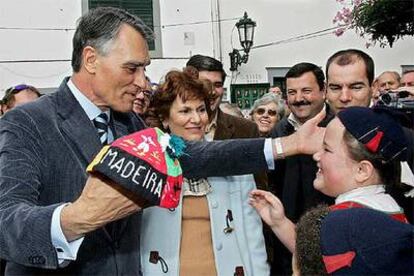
(245, 27)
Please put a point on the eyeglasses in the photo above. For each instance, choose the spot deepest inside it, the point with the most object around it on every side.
(261, 111)
(147, 93)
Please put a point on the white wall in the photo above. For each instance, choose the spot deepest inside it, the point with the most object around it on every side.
(276, 20)
(18, 46)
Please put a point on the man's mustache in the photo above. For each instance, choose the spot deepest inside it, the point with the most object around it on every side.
(301, 103)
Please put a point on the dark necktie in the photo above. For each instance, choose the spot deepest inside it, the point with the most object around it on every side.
(101, 124)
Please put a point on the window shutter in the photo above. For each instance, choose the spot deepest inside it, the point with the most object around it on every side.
(140, 8)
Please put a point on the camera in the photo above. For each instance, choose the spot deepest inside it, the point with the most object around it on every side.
(401, 102)
(396, 99)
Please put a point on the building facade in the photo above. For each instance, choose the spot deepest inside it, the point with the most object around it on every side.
(36, 39)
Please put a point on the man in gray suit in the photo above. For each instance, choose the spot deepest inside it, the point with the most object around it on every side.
(54, 218)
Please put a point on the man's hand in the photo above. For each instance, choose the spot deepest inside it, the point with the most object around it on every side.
(310, 136)
(101, 202)
(409, 89)
(307, 139)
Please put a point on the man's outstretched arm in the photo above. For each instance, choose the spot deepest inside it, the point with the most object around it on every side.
(247, 156)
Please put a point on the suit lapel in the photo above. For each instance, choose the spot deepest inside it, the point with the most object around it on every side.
(76, 125)
(225, 128)
(118, 128)
(81, 133)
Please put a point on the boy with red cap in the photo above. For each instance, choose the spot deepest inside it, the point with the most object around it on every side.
(361, 156)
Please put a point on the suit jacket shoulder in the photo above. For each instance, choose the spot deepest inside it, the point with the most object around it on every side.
(284, 128)
(231, 127)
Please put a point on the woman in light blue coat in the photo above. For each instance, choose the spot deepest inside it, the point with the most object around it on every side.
(214, 230)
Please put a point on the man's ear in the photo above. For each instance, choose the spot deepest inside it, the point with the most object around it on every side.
(323, 91)
(90, 56)
(365, 171)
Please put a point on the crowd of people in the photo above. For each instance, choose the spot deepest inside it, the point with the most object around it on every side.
(318, 180)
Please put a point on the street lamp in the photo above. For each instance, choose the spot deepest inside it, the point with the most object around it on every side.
(245, 27)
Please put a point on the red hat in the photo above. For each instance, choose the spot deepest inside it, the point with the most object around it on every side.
(376, 130)
(146, 164)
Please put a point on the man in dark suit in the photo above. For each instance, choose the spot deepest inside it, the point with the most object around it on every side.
(292, 182)
(53, 216)
(305, 98)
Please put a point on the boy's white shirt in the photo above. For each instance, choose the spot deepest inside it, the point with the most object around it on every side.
(373, 196)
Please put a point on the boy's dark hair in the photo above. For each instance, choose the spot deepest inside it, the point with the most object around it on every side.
(389, 172)
(308, 242)
(299, 69)
(206, 63)
(373, 134)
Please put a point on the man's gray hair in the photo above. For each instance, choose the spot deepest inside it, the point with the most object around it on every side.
(396, 75)
(99, 27)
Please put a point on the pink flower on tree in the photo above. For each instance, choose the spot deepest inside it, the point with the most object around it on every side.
(343, 18)
(339, 31)
(381, 21)
(357, 2)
